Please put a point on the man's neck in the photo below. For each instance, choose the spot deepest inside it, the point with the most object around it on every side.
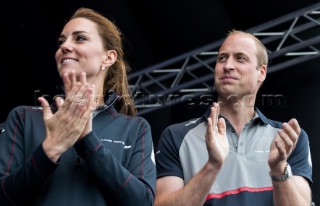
(239, 113)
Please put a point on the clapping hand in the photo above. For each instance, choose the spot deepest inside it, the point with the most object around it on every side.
(73, 118)
(216, 137)
(283, 145)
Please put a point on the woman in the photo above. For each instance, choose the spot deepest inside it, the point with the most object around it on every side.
(88, 148)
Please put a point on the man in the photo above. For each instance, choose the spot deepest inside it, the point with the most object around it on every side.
(233, 154)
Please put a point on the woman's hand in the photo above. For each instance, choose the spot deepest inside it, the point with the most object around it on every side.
(73, 118)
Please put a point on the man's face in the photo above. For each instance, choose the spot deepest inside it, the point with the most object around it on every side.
(236, 70)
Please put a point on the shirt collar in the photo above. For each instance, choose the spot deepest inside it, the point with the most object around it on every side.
(257, 117)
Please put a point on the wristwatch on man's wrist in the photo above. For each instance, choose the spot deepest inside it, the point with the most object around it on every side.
(287, 173)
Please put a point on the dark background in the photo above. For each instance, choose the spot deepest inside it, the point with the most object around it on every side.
(154, 31)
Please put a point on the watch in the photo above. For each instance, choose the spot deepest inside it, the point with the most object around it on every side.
(287, 173)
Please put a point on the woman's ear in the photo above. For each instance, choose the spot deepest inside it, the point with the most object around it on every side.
(110, 58)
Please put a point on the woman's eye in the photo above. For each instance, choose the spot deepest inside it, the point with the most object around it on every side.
(81, 38)
(222, 58)
(60, 42)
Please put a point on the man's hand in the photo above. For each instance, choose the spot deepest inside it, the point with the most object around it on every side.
(283, 145)
(216, 137)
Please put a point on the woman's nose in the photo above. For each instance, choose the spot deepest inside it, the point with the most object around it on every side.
(66, 47)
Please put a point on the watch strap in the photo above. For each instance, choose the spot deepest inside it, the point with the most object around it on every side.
(287, 173)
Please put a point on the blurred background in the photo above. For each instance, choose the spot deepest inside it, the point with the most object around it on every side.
(154, 31)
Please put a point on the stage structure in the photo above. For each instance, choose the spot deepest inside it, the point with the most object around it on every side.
(290, 40)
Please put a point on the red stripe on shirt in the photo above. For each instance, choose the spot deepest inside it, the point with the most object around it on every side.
(237, 191)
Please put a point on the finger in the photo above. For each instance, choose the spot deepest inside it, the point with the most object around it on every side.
(213, 114)
(70, 97)
(92, 102)
(59, 101)
(90, 95)
(82, 106)
(47, 113)
(295, 126)
(71, 79)
(80, 96)
(83, 78)
(66, 82)
(217, 106)
(73, 76)
(287, 141)
(209, 132)
(83, 115)
(76, 97)
(87, 115)
(72, 88)
(290, 132)
(280, 147)
(222, 126)
(83, 85)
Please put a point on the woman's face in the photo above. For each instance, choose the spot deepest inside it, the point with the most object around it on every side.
(80, 48)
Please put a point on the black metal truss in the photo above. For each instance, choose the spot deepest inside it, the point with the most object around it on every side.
(290, 40)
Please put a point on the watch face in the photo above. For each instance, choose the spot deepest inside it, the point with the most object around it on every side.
(289, 170)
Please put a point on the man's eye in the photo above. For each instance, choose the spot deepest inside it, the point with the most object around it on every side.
(241, 58)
